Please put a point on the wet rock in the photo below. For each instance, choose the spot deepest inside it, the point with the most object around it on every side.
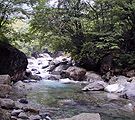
(23, 115)
(132, 79)
(36, 77)
(129, 107)
(48, 118)
(26, 81)
(5, 90)
(29, 81)
(21, 87)
(60, 68)
(28, 73)
(23, 100)
(75, 73)
(44, 67)
(115, 88)
(85, 116)
(37, 72)
(95, 86)
(67, 80)
(33, 69)
(7, 103)
(35, 54)
(129, 91)
(13, 118)
(12, 61)
(5, 79)
(35, 117)
(16, 112)
(53, 77)
(91, 77)
(51, 68)
(118, 79)
(45, 116)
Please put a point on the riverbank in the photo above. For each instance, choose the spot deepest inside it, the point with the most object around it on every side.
(54, 88)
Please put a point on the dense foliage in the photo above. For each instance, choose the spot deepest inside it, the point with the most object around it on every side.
(88, 29)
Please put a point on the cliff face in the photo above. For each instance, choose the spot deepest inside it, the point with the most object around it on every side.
(12, 61)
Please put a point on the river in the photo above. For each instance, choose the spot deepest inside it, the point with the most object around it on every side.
(67, 100)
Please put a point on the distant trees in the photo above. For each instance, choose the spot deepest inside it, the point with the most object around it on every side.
(10, 10)
(88, 29)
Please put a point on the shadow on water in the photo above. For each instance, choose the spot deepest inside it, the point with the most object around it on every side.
(70, 100)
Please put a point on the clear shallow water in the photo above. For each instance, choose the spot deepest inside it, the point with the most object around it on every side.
(68, 100)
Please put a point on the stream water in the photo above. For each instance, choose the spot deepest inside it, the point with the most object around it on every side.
(68, 100)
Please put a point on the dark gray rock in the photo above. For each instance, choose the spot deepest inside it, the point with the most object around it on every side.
(12, 61)
(36, 77)
(53, 77)
(23, 100)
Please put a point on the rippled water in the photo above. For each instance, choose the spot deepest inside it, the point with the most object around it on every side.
(69, 100)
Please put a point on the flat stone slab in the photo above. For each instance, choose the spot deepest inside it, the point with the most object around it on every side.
(85, 116)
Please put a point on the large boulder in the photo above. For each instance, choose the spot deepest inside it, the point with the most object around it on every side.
(90, 76)
(95, 86)
(74, 73)
(12, 61)
(115, 88)
(118, 79)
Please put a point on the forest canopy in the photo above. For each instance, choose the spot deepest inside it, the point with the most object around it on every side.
(87, 29)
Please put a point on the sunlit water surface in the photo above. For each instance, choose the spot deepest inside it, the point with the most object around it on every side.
(69, 100)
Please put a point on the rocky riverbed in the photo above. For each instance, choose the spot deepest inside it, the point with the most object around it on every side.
(53, 88)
